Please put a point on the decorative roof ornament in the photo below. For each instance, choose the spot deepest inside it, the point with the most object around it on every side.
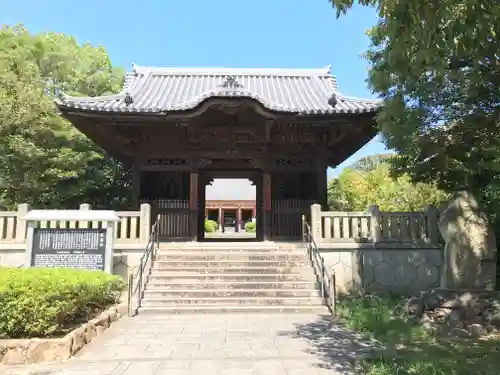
(231, 83)
(61, 95)
(333, 100)
(128, 99)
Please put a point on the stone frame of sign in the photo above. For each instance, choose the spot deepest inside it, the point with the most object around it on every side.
(76, 239)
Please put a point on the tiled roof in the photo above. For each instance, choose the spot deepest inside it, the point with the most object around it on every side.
(148, 89)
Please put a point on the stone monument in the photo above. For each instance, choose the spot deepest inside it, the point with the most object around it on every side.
(470, 246)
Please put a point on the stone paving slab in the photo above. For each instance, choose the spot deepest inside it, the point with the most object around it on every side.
(256, 344)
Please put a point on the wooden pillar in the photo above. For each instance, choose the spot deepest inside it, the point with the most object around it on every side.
(193, 190)
(322, 187)
(238, 219)
(266, 203)
(193, 204)
(219, 219)
(136, 186)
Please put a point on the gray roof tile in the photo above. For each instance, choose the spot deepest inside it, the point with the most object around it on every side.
(148, 89)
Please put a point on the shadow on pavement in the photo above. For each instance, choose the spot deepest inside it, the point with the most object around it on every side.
(335, 347)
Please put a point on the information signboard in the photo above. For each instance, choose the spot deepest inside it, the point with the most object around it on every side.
(69, 248)
(72, 243)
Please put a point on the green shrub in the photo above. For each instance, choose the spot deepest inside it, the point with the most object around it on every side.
(39, 302)
(376, 316)
(251, 227)
(210, 226)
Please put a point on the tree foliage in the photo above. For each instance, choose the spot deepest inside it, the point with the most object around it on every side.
(44, 160)
(369, 163)
(355, 190)
(436, 65)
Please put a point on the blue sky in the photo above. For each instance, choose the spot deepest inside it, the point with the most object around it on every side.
(223, 33)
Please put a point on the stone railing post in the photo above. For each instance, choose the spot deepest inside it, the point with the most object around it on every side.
(84, 206)
(22, 210)
(316, 223)
(83, 224)
(145, 223)
(375, 223)
(431, 214)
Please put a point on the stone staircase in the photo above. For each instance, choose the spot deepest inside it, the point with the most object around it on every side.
(231, 277)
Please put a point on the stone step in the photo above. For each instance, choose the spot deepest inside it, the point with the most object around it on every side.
(228, 256)
(236, 250)
(206, 277)
(231, 301)
(233, 293)
(197, 264)
(229, 270)
(231, 245)
(232, 285)
(211, 309)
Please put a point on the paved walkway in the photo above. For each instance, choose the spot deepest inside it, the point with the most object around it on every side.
(239, 344)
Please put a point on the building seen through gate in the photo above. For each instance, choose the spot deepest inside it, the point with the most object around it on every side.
(181, 128)
(232, 214)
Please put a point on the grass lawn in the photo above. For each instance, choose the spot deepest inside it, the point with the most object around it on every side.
(417, 352)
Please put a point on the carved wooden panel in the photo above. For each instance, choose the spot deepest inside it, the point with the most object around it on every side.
(293, 162)
(165, 133)
(166, 161)
(299, 133)
(225, 134)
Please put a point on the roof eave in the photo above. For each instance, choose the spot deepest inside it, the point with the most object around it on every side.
(161, 112)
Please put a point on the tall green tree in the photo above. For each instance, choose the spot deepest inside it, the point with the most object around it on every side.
(436, 65)
(44, 160)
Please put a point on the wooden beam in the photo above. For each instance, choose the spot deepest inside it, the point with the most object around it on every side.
(338, 135)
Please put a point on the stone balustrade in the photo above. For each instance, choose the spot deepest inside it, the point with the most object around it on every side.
(132, 229)
(413, 229)
(132, 232)
(395, 252)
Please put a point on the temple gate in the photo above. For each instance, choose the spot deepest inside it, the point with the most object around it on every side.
(179, 128)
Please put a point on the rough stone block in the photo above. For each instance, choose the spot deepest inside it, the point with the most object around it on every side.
(24, 351)
(470, 245)
(78, 337)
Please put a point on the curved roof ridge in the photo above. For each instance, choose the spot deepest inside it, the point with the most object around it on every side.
(307, 72)
(62, 97)
(129, 88)
(222, 92)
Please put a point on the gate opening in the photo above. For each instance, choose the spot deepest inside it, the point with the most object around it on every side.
(230, 210)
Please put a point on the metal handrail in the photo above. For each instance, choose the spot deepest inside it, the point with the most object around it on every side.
(136, 291)
(325, 279)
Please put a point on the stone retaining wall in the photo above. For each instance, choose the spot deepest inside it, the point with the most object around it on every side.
(385, 270)
(24, 351)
